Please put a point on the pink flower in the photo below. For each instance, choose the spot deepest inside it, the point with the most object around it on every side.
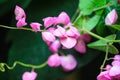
(80, 46)
(21, 22)
(29, 75)
(111, 17)
(48, 37)
(68, 62)
(104, 76)
(54, 60)
(60, 32)
(63, 18)
(49, 21)
(68, 42)
(35, 26)
(55, 46)
(19, 13)
(72, 32)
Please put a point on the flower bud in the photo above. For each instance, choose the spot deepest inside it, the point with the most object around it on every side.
(63, 18)
(80, 46)
(29, 75)
(54, 60)
(21, 23)
(68, 62)
(55, 46)
(48, 37)
(19, 13)
(111, 17)
(35, 26)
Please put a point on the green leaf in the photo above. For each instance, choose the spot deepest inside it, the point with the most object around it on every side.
(102, 45)
(87, 6)
(113, 49)
(117, 27)
(92, 22)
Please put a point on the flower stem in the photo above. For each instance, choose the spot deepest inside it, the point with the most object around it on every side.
(75, 14)
(22, 64)
(95, 35)
(99, 37)
(102, 7)
(106, 56)
(15, 28)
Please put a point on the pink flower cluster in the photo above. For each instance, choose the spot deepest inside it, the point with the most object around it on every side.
(65, 35)
(20, 16)
(68, 62)
(112, 71)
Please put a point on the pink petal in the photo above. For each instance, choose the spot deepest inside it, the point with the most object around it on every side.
(68, 42)
(68, 62)
(54, 60)
(63, 18)
(29, 76)
(86, 37)
(80, 46)
(108, 67)
(111, 17)
(49, 21)
(116, 63)
(35, 26)
(117, 57)
(115, 71)
(60, 32)
(104, 76)
(73, 32)
(55, 46)
(19, 13)
(51, 30)
(21, 23)
(48, 37)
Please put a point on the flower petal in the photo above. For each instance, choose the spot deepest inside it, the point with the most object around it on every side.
(68, 42)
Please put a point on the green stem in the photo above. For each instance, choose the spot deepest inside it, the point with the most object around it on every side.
(77, 19)
(95, 35)
(22, 64)
(102, 7)
(15, 28)
(106, 56)
(115, 41)
(75, 14)
(99, 37)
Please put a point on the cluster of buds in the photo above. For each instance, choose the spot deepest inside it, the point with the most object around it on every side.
(67, 62)
(20, 16)
(112, 72)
